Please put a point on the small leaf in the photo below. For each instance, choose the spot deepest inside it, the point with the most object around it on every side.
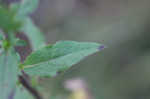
(1, 36)
(53, 58)
(5, 44)
(15, 7)
(20, 42)
(34, 34)
(25, 7)
(8, 20)
(8, 73)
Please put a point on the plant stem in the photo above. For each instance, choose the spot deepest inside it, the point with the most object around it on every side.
(24, 80)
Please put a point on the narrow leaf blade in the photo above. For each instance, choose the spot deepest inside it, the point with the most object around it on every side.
(35, 36)
(26, 7)
(8, 73)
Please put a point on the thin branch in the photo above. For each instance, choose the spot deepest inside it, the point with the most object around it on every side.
(24, 80)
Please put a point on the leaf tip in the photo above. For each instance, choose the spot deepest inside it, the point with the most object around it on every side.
(101, 47)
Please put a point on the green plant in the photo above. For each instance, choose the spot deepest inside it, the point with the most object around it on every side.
(16, 77)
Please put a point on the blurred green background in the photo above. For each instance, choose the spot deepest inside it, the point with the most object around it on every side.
(122, 70)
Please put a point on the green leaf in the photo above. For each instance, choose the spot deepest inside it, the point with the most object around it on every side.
(8, 73)
(20, 42)
(34, 34)
(8, 21)
(59, 57)
(1, 36)
(25, 7)
(28, 6)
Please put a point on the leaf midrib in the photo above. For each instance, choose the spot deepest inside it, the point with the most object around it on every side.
(33, 65)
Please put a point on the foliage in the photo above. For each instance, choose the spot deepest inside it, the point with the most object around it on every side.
(45, 60)
(59, 57)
